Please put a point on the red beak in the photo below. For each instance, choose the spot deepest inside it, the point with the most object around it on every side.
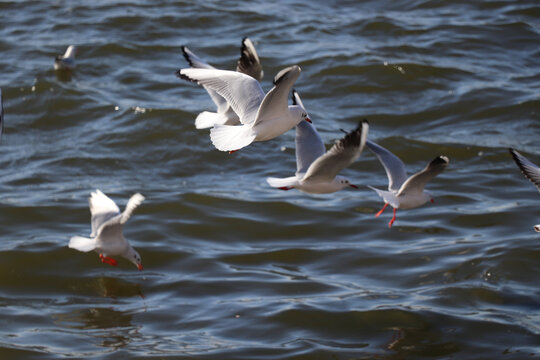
(139, 266)
(353, 186)
(432, 201)
(308, 120)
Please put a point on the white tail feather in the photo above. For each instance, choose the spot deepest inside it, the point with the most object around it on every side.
(282, 182)
(231, 138)
(82, 244)
(387, 196)
(207, 119)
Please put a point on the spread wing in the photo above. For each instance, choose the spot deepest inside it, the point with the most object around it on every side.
(309, 145)
(416, 183)
(275, 103)
(342, 154)
(249, 62)
(394, 167)
(196, 62)
(102, 209)
(243, 93)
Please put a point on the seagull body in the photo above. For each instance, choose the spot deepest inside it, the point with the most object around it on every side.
(248, 64)
(66, 61)
(107, 237)
(263, 116)
(405, 192)
(530, 170)
(317, 169)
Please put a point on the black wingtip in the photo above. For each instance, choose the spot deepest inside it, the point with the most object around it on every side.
(179, 74)
(186, 56)
(294, 93)
(440, 160)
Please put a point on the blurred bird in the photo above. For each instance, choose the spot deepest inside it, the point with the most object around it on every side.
(403, 192)
(107, 238)
(66, 61)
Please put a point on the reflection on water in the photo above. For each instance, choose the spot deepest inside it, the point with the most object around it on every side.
(117, 288)
(111, 328)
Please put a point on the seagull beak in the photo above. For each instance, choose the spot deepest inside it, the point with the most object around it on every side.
(432, 201)
(139, 266)
(353, 186)
(308, 120)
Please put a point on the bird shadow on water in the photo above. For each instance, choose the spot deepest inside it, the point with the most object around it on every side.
(109, 326)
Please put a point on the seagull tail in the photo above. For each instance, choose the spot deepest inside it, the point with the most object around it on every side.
(231, 138)
(207, 119)
(387, 196)
(82, 244)
(282, 182)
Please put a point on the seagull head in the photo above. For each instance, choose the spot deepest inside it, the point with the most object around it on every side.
(344, 182)
(134, 257)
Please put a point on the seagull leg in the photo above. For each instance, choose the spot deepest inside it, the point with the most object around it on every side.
(381, 211)
(393, 219)
(232, 151)
(285, 188)
(108, 260)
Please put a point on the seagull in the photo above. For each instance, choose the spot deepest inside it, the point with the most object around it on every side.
(248, 64)
(107, 238)
(530, 170)
(317, 169)
(1, 113)
(66, 61)
(403, 192)
(263, 116)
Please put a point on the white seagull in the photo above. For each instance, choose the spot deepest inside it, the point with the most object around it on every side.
(316, 169)
(263, 116)
(530, 170)
(107, 238)
(403, 192)
(66, 61)
(248, 64)
(1, 113)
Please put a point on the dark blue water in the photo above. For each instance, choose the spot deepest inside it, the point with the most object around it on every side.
(235, 269)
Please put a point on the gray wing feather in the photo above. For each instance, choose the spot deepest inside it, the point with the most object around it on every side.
(394, 167)
(309, 145)
(344, 152)
(416, 183)
(249, 62)
(530, 170)
(197, 63)
(276, 100)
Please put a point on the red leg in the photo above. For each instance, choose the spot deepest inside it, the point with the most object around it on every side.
(393, 219)
(108, 260)
(285, 188)
(232, 151)
(382, 210)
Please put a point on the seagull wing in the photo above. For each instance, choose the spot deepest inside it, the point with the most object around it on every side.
(102, 209)
(342, 154)
(243, 93)
(530, 170)
(197, 63)
(394, 167)
(309, 145)
(275, 103)
(416, 183)
(249, 62)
